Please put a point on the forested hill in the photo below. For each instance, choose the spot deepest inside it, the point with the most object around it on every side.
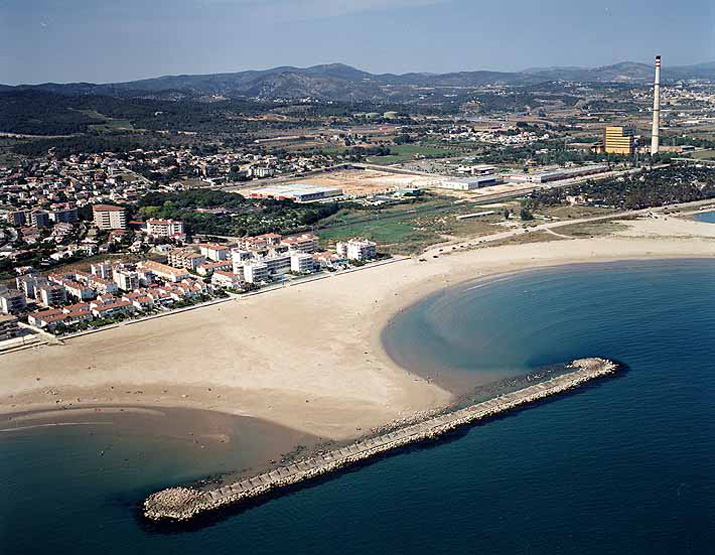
(345, 83)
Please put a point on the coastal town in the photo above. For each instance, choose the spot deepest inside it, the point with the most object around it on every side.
(357, 277)
(73, 301)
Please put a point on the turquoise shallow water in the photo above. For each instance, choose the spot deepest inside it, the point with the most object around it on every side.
(624, 466)
(708, 217)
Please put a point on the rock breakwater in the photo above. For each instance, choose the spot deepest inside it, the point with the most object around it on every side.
(184, 503)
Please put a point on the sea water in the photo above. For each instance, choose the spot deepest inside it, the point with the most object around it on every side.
(626, 465)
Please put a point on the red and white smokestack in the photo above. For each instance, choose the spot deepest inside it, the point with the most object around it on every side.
(655, 135)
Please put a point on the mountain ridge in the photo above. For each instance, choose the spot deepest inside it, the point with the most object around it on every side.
(337, 81)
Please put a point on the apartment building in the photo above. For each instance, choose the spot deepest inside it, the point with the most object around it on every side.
(255, 272)
(12, 301)
(126, 280)
(357, 249)
(9, 327)
(186, 258)
(210, 267)
(214, 252)
(107, 216)
(29, 283)
(51, 295)
(224, 279)
(302, 243)
(164, 229)
(302, 263)
(165, 272)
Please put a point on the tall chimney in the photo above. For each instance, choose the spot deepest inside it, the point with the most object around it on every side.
(655, 136)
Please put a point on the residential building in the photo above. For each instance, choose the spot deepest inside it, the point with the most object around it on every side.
(12, 301)
(302, 243)
(64, 214)
(357, 249)
(47, 319)
(111, 308)
(228, 280)
(164, 228)
(165, 272)
(126, 280)
(9, 327)
(29, 283)
(302, 263)
(107, 216)
(102, 270)
(186, 258)
(40, 219)
(16, 218)
(214, 252)
(51, 294)
(255, 272)
(277, 265)
(140, 300)
(210, 267)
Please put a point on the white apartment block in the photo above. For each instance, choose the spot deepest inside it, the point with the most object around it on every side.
(12, 301)
(226, 279)
(107, 216)
(126, 280)
(302, 243)
(213, 252)
(357, 249)
(29, 283)
(164, 228)
(277, 265)
(185, 258)
(302, 263)
(102, 270)
(255, 272)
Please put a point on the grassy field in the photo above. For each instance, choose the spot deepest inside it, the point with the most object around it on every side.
(403, 153)
(592, 229)
(704, 154)
(408, 229)
(107, 124)
(535, 237)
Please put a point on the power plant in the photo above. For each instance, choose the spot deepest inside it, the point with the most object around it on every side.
(655, 140)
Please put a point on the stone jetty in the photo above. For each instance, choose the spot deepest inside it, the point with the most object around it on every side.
(184, 503)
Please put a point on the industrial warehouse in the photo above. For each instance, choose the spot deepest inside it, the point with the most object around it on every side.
(297, 192)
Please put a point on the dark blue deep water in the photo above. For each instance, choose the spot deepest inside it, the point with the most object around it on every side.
(625, 466)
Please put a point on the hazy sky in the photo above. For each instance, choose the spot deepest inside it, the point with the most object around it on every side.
(119, 40)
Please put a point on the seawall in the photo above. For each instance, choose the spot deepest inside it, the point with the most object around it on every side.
(183, 503)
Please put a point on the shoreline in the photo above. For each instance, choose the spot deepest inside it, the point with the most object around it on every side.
(236, 443)
(308, 357)
(459, 382)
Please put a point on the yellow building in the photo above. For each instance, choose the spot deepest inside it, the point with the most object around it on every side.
(617, 140)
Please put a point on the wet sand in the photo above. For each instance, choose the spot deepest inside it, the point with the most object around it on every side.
(245, 442)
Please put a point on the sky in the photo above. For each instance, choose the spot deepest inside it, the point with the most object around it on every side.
(104, 41)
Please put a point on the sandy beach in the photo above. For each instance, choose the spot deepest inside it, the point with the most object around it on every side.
(308, 357)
